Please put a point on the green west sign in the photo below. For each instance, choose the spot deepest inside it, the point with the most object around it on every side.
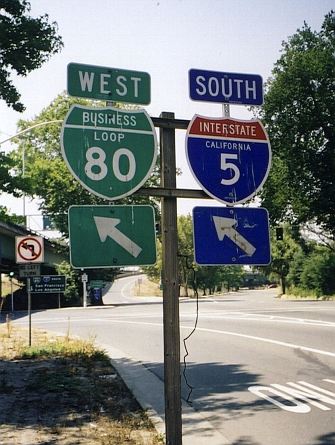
(112, 236)
(111, 152)
(110, 84)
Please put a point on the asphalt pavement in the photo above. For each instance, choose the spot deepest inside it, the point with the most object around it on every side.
(262, 369)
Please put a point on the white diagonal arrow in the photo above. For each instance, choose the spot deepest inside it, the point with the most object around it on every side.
(107, 228)
(225, 227)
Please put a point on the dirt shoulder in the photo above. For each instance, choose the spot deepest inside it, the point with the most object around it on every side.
(64, 392)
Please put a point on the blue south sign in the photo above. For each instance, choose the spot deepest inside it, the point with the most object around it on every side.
(232, 88)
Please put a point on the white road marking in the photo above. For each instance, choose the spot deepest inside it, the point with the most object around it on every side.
(211, 331)
(299, 395)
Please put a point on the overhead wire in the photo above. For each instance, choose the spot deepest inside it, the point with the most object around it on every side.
(190, 387)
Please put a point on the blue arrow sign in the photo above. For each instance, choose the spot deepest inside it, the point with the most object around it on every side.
(224, 235)
(233, 88)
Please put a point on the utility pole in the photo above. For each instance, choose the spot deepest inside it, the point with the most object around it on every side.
(173, 422)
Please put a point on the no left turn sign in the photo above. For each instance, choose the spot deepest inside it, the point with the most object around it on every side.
(29, 249)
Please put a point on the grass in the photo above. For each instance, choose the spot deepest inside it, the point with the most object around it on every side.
(295, 293)
(144, 288)
(70, 386)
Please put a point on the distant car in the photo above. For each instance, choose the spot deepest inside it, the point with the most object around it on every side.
(96, 296)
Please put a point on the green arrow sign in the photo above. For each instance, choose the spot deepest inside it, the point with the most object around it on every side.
(112, 236)
(110, 84)
(111, 152)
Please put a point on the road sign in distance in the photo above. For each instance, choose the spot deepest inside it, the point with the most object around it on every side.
(98, 284)
(48, 284)
(109, 84)
(238, 235)
(29, 249)
(29, 270)
(229, 158)
(231, 88)
(112, 236)
(111, 152)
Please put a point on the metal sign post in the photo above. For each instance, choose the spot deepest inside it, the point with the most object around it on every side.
(29, 309)
(84, 279)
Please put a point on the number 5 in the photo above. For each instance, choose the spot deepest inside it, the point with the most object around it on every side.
(229, 165)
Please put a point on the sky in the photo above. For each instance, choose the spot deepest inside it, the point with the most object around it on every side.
(165, 38)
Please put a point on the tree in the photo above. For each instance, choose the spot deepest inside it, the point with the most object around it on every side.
(299, 114)
(283, 252)
(231, 276)
(72, 290)
(185, 252)
(5, 216)
(26, 43)
(46, 175)
(154, 271)
(318, 273)
(9, 183)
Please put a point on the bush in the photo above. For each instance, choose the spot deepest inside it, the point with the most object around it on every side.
(318, 273)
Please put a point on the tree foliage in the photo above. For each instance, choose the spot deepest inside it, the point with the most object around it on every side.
(9, 182)
(299, 113)
(284, 253)
(318, 273)
(26, 43)
(6, 216)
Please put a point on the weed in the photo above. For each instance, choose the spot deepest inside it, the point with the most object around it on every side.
(62, 383)
(8, 325)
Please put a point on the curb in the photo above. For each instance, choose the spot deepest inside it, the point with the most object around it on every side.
(148, 390)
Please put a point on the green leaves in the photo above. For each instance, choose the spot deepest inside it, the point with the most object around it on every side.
(299, 113)
(26, 43)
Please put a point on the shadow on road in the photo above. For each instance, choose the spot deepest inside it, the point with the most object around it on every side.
(223, 380)
(327, 439)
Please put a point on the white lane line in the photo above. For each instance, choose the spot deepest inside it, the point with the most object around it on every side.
(269, 318)
(240, 316)
(126, 288)
(217, 331)
(250, 337)
(300, 309)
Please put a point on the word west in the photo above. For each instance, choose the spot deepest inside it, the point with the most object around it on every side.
(105, 81)
(297, 397)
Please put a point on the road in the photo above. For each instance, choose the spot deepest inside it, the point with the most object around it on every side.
(261, 369)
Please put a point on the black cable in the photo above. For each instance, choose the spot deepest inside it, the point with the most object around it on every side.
(190, 387)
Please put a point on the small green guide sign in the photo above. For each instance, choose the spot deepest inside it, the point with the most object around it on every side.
(111, 152)
(110, 84)
(112, 236)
